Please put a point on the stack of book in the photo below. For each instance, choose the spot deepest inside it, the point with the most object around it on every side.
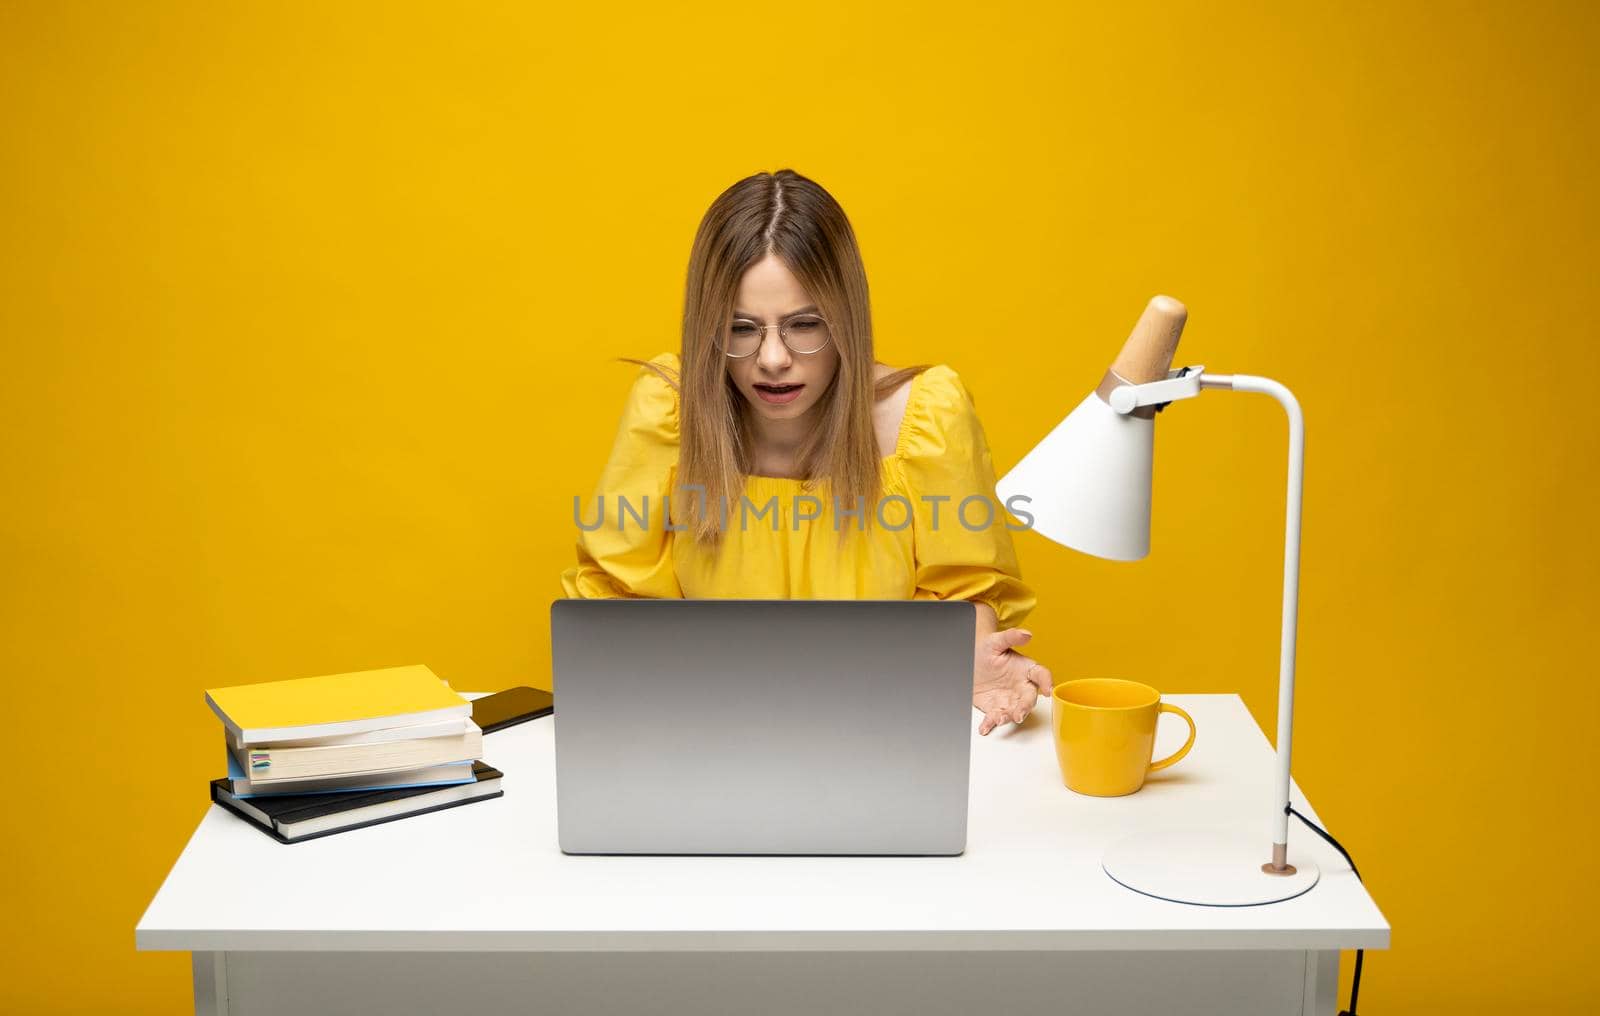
(319, 755)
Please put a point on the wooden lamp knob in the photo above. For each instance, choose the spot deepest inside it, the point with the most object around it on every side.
(1148, 353)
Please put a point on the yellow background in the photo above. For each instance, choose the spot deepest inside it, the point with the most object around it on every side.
(307, 312)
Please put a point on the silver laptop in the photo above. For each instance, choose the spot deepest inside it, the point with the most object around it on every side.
(762, 726)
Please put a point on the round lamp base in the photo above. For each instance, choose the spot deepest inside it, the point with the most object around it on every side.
(1206, 867)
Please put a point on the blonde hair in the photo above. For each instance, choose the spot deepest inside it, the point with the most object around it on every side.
(792, 217)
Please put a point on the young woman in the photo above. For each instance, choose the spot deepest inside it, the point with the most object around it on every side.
(775, 458)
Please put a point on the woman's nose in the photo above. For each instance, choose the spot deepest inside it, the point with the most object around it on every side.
(774, 355)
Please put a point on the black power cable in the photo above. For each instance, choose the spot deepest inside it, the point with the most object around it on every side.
(1355, 983)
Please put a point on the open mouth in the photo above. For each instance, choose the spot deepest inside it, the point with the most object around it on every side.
(777, 394)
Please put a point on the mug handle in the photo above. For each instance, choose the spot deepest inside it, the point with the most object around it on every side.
(1181, 752)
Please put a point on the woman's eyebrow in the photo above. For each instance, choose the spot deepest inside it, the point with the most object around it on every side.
(809, 308)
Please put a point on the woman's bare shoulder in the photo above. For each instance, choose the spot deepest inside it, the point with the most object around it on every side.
(889, 412)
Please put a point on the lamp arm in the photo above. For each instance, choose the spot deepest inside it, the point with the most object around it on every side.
(1125, 397)
(1291, 597)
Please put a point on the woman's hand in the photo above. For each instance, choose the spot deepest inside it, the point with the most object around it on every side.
(1006, 684)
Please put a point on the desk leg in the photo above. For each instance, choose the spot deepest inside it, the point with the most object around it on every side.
(1322, 983)
(210, 983)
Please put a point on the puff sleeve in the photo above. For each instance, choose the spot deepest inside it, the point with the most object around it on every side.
(622, 556)
(962, 547)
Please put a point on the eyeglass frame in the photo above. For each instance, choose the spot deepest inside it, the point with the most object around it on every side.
(782, 327)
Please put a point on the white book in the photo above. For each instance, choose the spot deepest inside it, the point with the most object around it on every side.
(240, 784)
(439, 728)
(267, 764)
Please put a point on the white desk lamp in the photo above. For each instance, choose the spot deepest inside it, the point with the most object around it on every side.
(1087, 485)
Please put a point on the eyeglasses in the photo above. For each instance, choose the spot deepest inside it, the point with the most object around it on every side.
(803, 333)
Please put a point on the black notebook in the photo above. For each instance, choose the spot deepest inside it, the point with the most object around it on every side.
(291, 818)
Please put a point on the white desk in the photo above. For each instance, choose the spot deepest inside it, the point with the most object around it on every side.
(476, 910)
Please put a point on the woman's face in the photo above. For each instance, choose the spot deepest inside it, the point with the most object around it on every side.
(778, 383)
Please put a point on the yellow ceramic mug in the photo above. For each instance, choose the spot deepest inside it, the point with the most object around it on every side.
(1106, 734)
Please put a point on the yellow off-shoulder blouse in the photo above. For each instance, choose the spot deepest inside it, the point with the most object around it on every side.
(923, 545)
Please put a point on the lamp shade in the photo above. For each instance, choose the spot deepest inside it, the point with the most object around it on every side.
(1087, 484)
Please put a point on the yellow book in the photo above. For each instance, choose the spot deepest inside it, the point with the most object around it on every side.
(335, 704)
